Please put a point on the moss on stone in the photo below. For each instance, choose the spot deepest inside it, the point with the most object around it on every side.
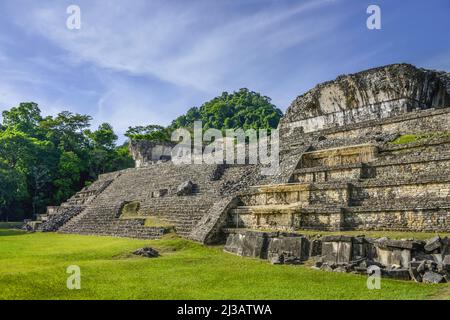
(411, 138)
(130, 209)
(155, 222)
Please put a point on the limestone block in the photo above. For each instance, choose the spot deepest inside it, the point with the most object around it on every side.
(398, 274)
(247, 244)
(433, 244)
(446, 262)
(432, 277)
(160, 193)
(185, 189)
(288, 250)
(336, 251)
(389, 257)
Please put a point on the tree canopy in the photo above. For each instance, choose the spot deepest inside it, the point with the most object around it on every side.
(243, 109)
(45, 160)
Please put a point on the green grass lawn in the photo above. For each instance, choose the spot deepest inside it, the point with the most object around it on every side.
(33, 266)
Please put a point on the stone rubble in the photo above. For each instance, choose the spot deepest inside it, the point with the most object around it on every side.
(146, 252)
(397, 259)
(185, 189)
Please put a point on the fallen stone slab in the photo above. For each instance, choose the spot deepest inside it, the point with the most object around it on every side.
(326, 267)
(432, 277)
(437, 257)
(360, 270)
(146, 252)
(421, 256)
(338, 238)
(446, 262)
(398, 274)
(415, 275)
(445, 249)
(386, 243)
(433, 244)
(341, 269)
(248, 244)
(288, 250)
(185, 189)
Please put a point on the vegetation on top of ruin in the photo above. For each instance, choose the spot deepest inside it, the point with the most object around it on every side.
(155, 222)
(243, 109)
(411, 138)
(183, 271)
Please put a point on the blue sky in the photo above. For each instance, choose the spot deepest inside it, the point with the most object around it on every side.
(138, 62)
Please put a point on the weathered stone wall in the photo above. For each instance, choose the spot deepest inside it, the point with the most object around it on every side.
(147, 152)
(421, 261)
(339, 156)
(405, 187)
(373, 94)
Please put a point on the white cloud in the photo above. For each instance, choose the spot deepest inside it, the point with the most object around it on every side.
(125, 105)
(192, 45)
(196, 49)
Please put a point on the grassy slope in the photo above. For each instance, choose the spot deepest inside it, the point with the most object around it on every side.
(33, 266)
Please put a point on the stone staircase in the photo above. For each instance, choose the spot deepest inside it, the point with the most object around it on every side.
(155, 189)
(56, 217)
(359, 187)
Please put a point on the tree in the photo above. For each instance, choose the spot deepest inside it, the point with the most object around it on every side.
(49, 159)
(24, 118)
(13, 190)
(150, 132)
(68, 176)
(66, 130)
(242, 109)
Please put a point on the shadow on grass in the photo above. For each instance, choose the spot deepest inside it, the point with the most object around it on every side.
(11, 232)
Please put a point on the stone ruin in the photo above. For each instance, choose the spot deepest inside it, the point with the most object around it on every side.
(339, 170)
(421, 261)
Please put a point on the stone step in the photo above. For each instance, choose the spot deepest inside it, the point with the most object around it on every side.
(419, 165)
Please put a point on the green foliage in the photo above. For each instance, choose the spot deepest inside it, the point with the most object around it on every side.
(44, 161)
(130, 209)
(24, 118)
(103, 138)
(13, 189)
(150, 132)
(242, 109)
